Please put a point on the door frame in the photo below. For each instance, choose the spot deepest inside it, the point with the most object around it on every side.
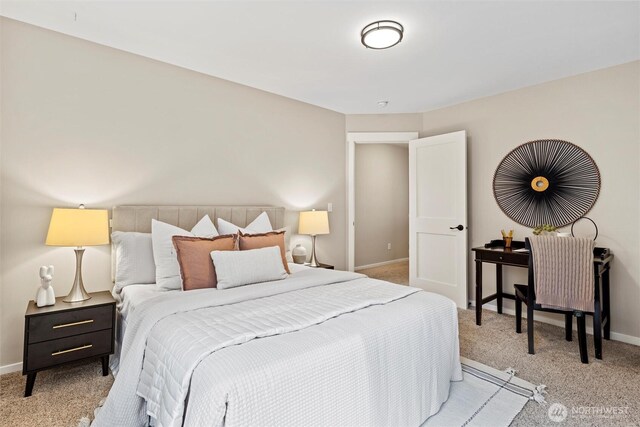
(354, 138)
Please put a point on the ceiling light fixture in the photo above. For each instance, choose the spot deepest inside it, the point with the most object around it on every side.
(382, 34)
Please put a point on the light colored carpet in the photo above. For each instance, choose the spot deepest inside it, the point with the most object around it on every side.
(395, 273)
(62, 396)
(613, 382)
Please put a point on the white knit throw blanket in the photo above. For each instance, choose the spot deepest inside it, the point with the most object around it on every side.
(563, 272)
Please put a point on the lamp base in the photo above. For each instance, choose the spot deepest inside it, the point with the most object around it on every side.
(77, 293)
(314, 261)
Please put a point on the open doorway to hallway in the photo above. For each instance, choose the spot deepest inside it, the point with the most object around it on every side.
(382, 211)
(382, 193)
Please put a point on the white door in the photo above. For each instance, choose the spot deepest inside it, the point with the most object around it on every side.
(438, 215)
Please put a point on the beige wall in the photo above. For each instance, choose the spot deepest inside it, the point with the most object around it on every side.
(384, 122)
(600, 112)
(382, 203)
(86, 123)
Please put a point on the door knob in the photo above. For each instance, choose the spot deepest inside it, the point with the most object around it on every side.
(460, 227)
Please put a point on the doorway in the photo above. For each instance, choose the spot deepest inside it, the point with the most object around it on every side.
(382, 211)
(376, 199)
(437, 209)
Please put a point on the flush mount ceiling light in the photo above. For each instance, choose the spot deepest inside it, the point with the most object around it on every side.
(382, 34)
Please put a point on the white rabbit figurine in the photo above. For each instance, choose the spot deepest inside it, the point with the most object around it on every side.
(45, 295)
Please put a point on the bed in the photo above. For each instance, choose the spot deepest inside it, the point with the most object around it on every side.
(318, 348)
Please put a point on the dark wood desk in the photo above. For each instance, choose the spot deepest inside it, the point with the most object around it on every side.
(495, 253)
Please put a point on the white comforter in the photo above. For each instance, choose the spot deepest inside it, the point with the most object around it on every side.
(319, 348)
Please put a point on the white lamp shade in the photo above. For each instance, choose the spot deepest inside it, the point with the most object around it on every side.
(78, 227)
(313, 223)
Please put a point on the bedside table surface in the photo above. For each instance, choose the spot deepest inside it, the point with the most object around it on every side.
(321, 265)
(97, 299)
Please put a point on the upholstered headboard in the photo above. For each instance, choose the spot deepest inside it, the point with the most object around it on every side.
(138, 218)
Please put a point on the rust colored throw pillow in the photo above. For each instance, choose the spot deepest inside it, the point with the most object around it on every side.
(264, 240)
(194, 258)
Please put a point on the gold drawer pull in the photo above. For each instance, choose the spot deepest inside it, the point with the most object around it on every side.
(65, 325)
(57, 353)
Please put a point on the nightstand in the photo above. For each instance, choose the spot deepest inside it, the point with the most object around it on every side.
(327, 266)
(67, 332)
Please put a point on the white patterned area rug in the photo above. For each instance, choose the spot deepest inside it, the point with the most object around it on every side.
(485, 397)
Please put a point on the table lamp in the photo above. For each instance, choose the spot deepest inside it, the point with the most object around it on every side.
(78, 227)
(313, 223)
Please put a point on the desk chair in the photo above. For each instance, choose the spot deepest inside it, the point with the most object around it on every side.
(527, 293)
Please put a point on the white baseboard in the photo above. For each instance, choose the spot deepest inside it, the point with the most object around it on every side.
(7, 369)
(380, 264)
(614, 335)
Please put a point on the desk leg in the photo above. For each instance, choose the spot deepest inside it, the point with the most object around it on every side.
(499, 287)
(606, 308)
(478, 293)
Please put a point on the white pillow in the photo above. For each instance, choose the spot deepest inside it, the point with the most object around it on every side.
(238, 268)
(259, 225)
(134, 258)
(164, 253)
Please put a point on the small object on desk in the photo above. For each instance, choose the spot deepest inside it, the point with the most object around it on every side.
(545, 230)
(499, 244)
(505, 235)
(507, 242)
(507, 238)
(45, 295)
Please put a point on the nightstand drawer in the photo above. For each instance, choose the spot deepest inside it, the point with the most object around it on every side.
(69, 323)
(55, 352)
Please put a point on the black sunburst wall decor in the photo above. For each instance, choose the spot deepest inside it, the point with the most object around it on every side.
(548, 181)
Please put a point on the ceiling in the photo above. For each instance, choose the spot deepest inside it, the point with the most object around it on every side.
(310, 50)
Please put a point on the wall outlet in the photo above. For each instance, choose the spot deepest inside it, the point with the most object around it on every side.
(388, 246)
(330, 207)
